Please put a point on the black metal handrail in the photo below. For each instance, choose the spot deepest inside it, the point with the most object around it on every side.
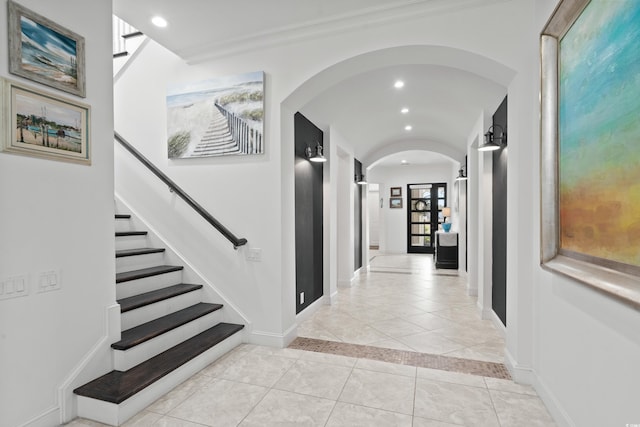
(180, 192)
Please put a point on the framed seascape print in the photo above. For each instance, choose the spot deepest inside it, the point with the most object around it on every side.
(45, 52)
(396, 191)
(42, 125)
(223, 116)
(590, 152)
(395, 203)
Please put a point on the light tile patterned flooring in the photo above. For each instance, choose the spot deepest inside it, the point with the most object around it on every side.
(400, 304)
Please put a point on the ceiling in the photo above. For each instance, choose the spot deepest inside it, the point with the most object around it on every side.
(444, 103)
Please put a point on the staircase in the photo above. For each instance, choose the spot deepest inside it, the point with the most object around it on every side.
(168, 332)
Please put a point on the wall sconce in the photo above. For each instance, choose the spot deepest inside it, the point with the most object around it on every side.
(461, 176)
(317, 156)
(492, 142)
(360, 179)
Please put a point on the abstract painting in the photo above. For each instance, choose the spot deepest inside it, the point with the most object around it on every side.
(217, 117)
(45, 52)
(46, 126)
(599, 133)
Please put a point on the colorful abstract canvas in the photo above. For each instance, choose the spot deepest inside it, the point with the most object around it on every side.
(599, 133)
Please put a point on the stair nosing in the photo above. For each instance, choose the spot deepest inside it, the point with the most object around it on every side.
(224, 330)
(127, 276)
(137, 251)
(154, 328)
(155, 296)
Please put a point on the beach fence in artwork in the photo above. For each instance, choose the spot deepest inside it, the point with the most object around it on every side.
(227, 134)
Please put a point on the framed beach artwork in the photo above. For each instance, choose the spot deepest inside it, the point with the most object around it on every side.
(45, 52)
(395, 203)
(39, 124)
(590, 136)
(223, 116)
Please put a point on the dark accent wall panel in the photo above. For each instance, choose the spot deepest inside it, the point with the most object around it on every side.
(357, 244)
(499, 272)
(308, 206)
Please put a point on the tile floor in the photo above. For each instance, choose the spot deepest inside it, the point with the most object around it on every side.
(398, 306)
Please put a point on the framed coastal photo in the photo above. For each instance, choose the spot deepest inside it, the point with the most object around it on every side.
(590, 102)
(396, 191)
(395, 203)
(43, 125)
(45, 52)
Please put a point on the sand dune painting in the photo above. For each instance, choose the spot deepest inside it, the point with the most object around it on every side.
(599, 133)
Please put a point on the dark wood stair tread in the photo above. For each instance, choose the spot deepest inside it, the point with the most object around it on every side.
(146, 331)
(141, 300)
(125, 276)
(139, 251)
(117, 386)
(123, 216)
(130, 233)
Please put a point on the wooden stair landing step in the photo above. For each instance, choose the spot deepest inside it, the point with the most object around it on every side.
(117, 386)
(125, 276)
(147, 298)
(146, 331)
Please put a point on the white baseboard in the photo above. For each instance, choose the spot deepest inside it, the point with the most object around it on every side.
(526, 375)
(310, 310)
(50, 417)
(271, 339)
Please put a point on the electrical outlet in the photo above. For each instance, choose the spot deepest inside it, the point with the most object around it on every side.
(254, 254)
(301, 297)
(48, 281)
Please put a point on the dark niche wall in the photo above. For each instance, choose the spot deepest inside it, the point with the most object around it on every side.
(308, 205)
(357, 215)
(499, 271)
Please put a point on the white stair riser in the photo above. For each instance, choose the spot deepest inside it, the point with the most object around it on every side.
(127, 359)
(131, 242)
(113, 414)
(147, 284)
(136, 262)
(124, 225)
(161, 308)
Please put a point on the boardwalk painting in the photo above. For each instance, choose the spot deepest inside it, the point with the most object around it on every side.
(217, 117)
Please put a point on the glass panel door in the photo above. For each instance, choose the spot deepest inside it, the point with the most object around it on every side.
(424, 215)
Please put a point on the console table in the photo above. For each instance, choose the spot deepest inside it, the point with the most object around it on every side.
(446, 254)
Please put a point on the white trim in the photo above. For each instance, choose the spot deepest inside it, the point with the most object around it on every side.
(83, 372)
(271, 339)
(50, 417)
(311, 309)
(529, 376)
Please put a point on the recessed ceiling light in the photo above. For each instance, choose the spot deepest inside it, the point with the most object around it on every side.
(159, 21)
(408, 127)
(404, 162)
(398, 84)
(405, 110)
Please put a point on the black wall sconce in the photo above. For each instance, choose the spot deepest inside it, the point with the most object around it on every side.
(461, 176)
(360, 179)
(318, 156)
(493, 142)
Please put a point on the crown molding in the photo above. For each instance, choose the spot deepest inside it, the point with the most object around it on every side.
(343, 23)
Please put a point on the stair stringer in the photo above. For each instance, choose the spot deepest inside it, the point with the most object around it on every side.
(98, 361)
(190, 274)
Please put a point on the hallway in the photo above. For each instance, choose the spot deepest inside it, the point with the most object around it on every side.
(401, 304)
(404, 303)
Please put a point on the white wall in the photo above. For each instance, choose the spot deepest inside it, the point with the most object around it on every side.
(586, 345)
(373, 210)
(58, 216)
(393, 222)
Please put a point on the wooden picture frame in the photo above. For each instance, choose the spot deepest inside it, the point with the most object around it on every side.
(40, 124)
(45, 52)
(395, 203)
(396, 191)
(581, 108)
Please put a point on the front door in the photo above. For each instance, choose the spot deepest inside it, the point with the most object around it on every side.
(424, 215)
